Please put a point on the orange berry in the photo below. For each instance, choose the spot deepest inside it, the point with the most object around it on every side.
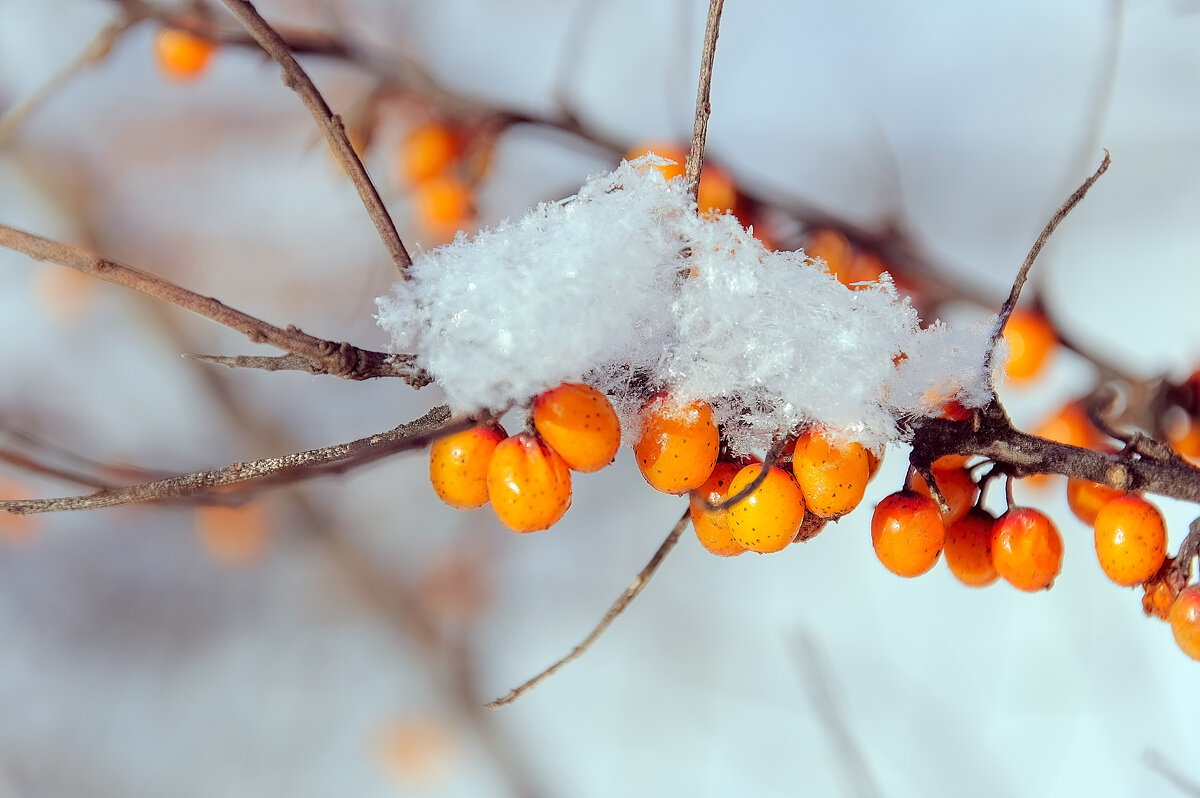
(1069, 425)
(1027, 549)
(427, 151)
(717, 190)
(672, 152)
(528, 484)
(957, 487)
(1185, 621)
(443, 206)
(1031, 340)
(768, 519)
(1184, 437)
(1131, 540)
(64, 294)
(712, 527)
(16, 529)
(969, 548)
(418, 752)
(831, 247)
(458, 465)
(874, 461)
(908, 533)
(833, 478)
(580, 424)
(234, 536)
(1085, 498)
(181, 55)
(677, 447)
(865, 267)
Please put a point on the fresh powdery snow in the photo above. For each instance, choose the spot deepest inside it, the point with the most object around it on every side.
(625, 287)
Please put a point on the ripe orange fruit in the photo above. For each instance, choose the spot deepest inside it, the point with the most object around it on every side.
(181, 55)
(426, 151)
(969, 548)
(1085, 498)
(957, 487)
(677, 447)
(874, 461)
(833, 478)
(458, 465)
(528, 484)
(831, 247)
(1071, 425)
(768, 519)
(1131, 540)
(580, 424)
(907, 533)
(443, 205)
(234, 536)
(717, 191)
(712, 527)
(1031, 340)
(1185, 621)
(1027, 549)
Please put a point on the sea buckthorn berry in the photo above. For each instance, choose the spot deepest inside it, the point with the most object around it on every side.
(677, 447)
(1071, 425)
(1131, 540)
(1031, 340)
(458, 465)
(1184, 437)
(832, 477)
(1027, 549)
(907, 533)
(428, 150)
(874, 461)
(768, 519)
(529, 485)
(1085, 498)
(443, 206)
(831, 247)
(580, 424)
(969, 548)
(957, 487)
(234, 536)
(1185, 621)
(712, 526)
(181, 55)
(717, 190)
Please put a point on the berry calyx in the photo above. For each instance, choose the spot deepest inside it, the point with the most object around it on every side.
(832, 477)
(712, 526)
(907, 533)
(969, 548)
(1031, 340)
(678, 444)
(1185, 621)
(181, 55)
(1085, 498)
(458, 465)
(528, 484)
(768, 519)
(580, 424)
(1131, 540)
(1027, 549)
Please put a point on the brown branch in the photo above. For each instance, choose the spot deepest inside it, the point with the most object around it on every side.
(619, 606)
(327, 357)
(296, 79)
(1010, 304)
(695, 160)
(292, 467)
(401, 365)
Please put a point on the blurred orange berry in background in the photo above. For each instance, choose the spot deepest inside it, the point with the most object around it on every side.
(417, 751)
(1031, 341)
(16, 529)
(427, 151)
(717, 191)
(182, 56)
(442, 206)
(234, 536)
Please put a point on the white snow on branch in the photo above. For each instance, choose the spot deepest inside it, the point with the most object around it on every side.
(626, 287)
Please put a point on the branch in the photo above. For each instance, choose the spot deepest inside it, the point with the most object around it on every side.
(326, 357)
(296, 79)
(292, 467)
(623, 601)
(695, 160)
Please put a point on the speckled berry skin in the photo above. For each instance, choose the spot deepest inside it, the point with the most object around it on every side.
(968, 548)
(678, 444)
(907, 533)
(957, 487)
(833, 478)
(458, 465)
(768, 519)
(1027, 549)
(580, 424)
(1085, 498)
(1185, 621)
(712, 526)
(528, 484)
(1131, 540)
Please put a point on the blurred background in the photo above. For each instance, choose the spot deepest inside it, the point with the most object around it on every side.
(339, 636)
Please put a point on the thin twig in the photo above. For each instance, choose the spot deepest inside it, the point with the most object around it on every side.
(404, 364)
(302, 465)
(327, 357)
(623, 601)
(769, 461)
(695, 160)
(1023, 274)
(296, 79)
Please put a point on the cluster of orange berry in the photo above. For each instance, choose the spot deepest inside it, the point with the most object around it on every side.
(427, 164)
